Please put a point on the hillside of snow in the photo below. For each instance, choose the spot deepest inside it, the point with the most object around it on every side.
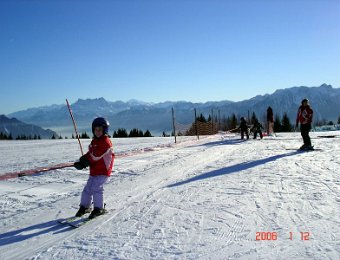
(213, 198)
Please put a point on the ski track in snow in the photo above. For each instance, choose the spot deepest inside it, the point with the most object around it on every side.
(202, 199)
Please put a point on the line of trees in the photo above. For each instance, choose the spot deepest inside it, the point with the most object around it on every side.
(5, 136)
(19, 137)
(325, 122)
(282, 125)
(122, 132)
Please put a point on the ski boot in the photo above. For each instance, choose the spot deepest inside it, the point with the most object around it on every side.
(82, 211)
(303, 147)
(309, 148)
(97, 212)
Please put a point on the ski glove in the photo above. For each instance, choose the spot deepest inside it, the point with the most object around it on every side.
(82, 163)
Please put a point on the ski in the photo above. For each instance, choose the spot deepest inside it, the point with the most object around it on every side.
(304, 150)
(68, 220)
(77, 222)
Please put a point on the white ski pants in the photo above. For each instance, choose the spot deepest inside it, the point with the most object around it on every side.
(94, 190)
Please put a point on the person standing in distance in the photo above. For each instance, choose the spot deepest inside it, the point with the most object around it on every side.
(305, 118)
(270, 121)
(244, 128)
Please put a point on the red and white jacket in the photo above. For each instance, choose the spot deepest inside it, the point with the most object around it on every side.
(101, 156)
(305, 115)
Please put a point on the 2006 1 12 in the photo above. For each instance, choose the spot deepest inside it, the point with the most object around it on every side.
(273, 236)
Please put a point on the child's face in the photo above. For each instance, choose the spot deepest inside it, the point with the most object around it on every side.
(98, 131)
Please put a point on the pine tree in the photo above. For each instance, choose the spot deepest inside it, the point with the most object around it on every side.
(201, 118)
(3, 136)
(123, 133)
(253, 118)
(147, 134)
(135, 133)
(339, 120)
(84, 135)
(233, 122)
(120, 133)
(286, 125)
(53, 137)
(277, 124)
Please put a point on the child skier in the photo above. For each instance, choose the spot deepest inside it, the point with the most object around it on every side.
(244, 128)
(100, 158)
(305, 118)
(257, 129)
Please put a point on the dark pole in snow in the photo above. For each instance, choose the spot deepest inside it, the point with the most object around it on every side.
(173, 124)
(196, 128)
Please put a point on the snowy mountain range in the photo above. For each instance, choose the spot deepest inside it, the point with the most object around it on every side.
(325, 100)
(17, 128)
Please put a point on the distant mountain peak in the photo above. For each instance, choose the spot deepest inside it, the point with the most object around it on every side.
(136, 102)
(92, 100)
(326, 87)
(5, 119)
(17, 128)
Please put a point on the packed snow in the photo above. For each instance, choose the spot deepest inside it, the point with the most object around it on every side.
(214, 198)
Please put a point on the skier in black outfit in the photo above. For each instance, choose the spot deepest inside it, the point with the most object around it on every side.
(257, 129)
(244, 128)
(305, 118)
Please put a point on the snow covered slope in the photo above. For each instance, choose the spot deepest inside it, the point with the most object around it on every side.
(206, 199)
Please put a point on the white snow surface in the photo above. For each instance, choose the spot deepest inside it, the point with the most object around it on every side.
(197, 199)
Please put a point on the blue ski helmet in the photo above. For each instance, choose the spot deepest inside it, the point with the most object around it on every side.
(101, 121)
(304, 100)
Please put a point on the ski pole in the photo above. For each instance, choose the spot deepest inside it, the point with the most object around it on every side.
(75, 127)
(232, 130)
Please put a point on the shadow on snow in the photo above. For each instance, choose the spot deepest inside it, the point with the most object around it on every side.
(233, 168)
(226, 142)
(222, 142)
(32, 231)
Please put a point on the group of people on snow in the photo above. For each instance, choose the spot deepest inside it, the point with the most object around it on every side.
(245, 129)
(100, 156)
(304, 118)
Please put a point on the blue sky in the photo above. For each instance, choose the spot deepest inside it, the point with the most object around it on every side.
(158, 50)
